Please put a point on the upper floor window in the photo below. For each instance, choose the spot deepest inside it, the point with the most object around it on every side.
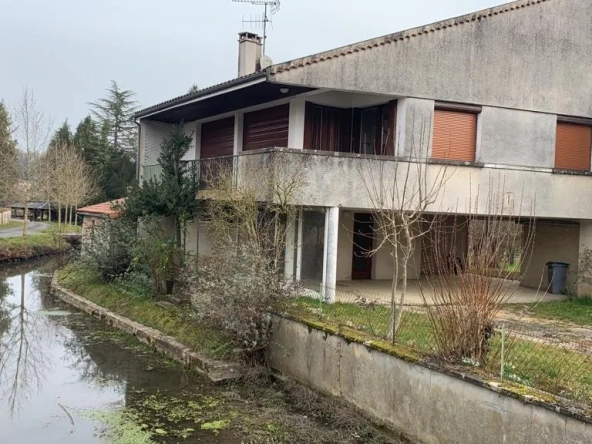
(455, 133)
(357, 130)
(573, 146)
(267, 128)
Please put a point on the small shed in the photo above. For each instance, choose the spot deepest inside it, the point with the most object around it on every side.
(37, 210)
(97, 214)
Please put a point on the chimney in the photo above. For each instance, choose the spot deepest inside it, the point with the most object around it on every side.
(249, 53)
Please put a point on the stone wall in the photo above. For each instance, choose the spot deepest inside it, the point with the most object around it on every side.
(423, 403)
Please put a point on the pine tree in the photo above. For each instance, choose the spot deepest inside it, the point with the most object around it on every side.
(8, 154)
(116, 110)
(63, 136)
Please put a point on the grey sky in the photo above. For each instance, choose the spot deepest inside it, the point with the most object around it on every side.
(67, 51)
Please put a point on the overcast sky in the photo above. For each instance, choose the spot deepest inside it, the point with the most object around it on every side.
(67, 51)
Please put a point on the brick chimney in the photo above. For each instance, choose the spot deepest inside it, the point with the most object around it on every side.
(249, 53)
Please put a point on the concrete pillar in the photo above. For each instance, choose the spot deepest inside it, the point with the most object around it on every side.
(290, 251)
(238, 133)
(330, 262)
(299, 246)
(296, 123)
(584, 287)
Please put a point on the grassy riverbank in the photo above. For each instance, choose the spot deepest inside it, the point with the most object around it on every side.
(33, 245)
(133, 300)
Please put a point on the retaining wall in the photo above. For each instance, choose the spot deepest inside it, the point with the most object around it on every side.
(423, 403)
(216, 371)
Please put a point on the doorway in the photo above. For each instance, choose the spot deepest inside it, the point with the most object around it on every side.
(363, 240)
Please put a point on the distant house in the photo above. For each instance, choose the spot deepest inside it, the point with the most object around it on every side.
(37, 210)
(94, 215)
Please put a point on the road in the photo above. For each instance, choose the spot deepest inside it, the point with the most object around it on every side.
(34, 227)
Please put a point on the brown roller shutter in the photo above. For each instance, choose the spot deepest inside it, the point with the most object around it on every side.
(572, 149)
(455, 135)
(217, 138)
(267, 128)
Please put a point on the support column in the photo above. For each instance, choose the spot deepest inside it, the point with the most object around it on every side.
(296, 123)
(238, 133)
(299, 223)
(584, 288)
(290, 251)
(330, 262)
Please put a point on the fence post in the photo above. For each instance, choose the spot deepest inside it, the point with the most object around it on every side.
(502, 355)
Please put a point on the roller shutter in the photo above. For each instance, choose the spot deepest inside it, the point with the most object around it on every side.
(455, 135)
(217, 138)
(572, 148)
(267, 128)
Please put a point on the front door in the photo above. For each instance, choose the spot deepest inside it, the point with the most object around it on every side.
(363, 242)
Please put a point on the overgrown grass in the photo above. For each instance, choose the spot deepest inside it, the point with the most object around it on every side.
(576, 310)
(536, 363)
(132, 298)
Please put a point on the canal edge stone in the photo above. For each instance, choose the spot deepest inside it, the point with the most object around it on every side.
(216, 371)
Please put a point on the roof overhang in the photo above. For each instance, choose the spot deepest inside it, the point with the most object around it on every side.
(240, 93)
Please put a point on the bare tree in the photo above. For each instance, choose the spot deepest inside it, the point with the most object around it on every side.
(33, 129)
(401, 192)
(66, 179)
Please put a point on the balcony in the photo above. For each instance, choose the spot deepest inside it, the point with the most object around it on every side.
(328, 179)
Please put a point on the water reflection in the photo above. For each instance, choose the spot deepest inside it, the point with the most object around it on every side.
(25, 338)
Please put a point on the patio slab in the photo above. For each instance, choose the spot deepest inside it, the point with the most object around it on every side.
(379, 291)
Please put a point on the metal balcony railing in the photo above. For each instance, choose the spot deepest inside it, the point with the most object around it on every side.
(208, 172)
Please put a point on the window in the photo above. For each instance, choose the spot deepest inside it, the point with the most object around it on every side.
(358, 130)
(267, 128)
(572, 147)
(455, 135)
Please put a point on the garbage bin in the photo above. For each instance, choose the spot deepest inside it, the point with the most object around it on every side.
(557, 276)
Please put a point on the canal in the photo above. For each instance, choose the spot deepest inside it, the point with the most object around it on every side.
(67, 378)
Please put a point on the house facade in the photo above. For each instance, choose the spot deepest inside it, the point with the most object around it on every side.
(501, 98)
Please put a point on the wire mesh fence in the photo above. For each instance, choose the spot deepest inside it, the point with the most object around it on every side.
(534, 355)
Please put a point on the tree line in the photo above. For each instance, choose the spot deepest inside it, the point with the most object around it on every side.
(68, 167)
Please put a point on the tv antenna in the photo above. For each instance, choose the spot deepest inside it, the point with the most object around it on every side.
(270, 8)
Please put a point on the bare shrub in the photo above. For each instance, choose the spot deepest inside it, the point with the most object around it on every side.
(463, 298)
(248, 215)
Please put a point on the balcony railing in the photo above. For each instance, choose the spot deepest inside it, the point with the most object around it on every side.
(208, 172)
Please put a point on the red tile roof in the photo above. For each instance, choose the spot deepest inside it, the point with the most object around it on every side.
(103, 209)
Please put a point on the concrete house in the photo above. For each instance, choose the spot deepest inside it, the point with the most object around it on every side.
(503, 93)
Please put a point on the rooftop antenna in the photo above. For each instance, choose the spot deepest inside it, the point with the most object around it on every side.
(271, 7)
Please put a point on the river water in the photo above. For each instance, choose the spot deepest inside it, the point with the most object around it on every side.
(66, 378)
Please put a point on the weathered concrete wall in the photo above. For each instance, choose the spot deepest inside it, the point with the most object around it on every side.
(425, 404)
(556, 243)
(342, 180)
(534, 57)
(511, 137)
(415, 121)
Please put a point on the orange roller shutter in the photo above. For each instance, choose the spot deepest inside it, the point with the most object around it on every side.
(572, 149)
(455, 135)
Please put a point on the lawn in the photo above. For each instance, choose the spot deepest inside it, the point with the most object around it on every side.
(10, 225)
(37, 244)
(535, 363)
(576, 310)
(133, 299)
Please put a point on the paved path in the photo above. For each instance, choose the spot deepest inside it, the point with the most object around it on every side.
(33, 227)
